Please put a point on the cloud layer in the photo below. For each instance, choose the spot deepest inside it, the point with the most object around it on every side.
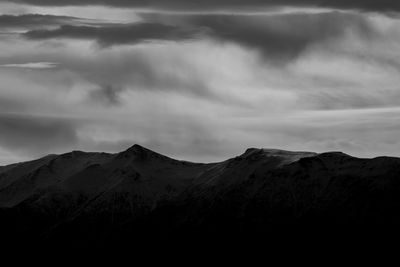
(281, 37)
(370, 5)
(199, 85)
(20, 132)
(37, 21)
(120, 34)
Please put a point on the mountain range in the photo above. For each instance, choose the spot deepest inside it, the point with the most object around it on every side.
(138, 196)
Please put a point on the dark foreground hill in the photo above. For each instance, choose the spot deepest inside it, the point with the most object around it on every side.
(140, 197)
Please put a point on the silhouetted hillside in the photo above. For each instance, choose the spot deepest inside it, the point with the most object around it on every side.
(97, 199)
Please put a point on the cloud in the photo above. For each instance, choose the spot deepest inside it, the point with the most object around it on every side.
(35, 133)
(117, 35)
(211, 97)
(207, 5)
(276, 36)
(281, 37)
(147, 68)
(108, 95)
(32, 21)
(31, 65)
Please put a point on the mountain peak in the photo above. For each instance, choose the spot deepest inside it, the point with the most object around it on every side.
(137, 147)
(139, 152)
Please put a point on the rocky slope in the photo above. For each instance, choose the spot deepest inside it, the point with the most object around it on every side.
(96, 198)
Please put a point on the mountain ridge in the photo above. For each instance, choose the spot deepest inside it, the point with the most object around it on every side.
(93, 197)
(136, 148)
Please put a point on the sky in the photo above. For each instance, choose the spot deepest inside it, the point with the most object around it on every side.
(199, 80)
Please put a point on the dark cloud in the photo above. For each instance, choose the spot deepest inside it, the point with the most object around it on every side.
(277, 36)
(8, 104)
(281, 37)
(35, 20)
(108, 95)
(32, 133)
(367, 5)
(117, 34)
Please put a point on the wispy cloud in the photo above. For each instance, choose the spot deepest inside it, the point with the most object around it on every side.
(32, 65)
(117, 34)
(32, 21)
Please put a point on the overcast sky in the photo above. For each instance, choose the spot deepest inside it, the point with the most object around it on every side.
(199, 80)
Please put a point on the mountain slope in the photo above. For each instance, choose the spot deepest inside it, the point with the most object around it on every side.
(92, 198)
(22, 180)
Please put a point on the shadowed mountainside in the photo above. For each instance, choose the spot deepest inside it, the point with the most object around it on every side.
(88, 199)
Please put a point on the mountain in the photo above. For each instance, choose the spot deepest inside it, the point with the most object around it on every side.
(97, 199)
